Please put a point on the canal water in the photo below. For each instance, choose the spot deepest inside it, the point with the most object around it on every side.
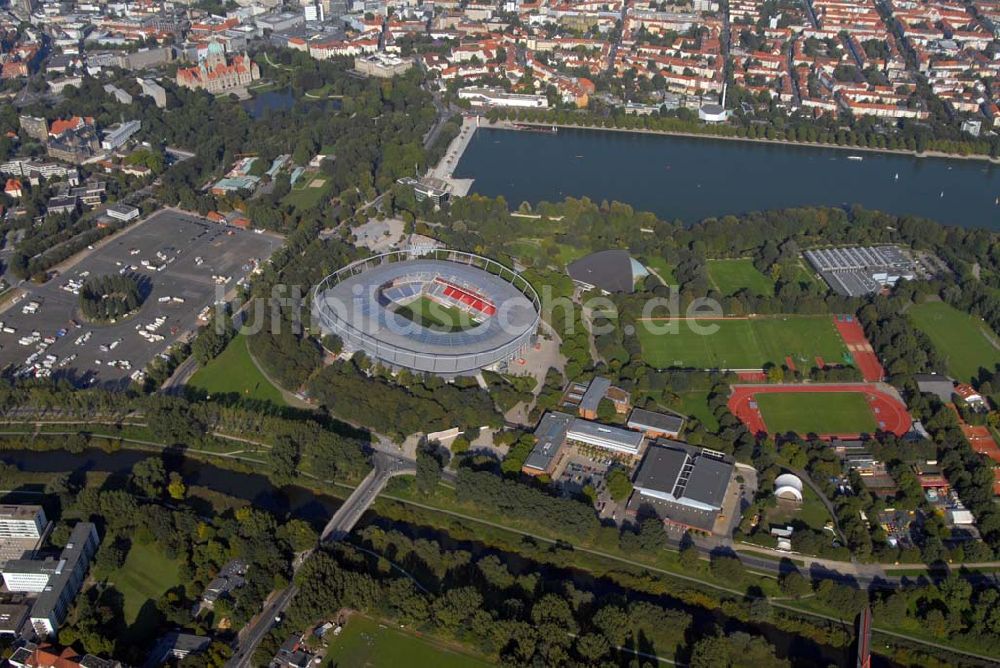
(690, 178)
(317, 508)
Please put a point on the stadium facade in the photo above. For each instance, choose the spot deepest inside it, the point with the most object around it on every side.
(362, 304)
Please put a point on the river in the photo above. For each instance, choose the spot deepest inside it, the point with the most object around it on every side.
(317, 508)
(690, 178)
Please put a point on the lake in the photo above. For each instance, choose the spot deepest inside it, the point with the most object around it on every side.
(282, 100)
(690, 178)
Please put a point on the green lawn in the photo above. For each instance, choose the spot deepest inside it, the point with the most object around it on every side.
(745, 344)
(233, 372)
(429, 313)
(963, 340)
(731, 276)
(816, 412)
(145, 577)
(695, 404)
(811, 512)
(304, 195)
(660, 266)
(366, 643)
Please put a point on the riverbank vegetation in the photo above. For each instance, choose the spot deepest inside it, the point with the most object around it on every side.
(859, 133)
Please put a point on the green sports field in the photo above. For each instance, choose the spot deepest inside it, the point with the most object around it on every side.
(233, 372)
(963, 340)
(365, 642)
(424, 311)
(745, 343)
(731, 276)
(816, 412)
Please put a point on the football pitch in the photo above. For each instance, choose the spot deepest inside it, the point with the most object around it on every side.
(965, 342)
(816, 412)
(731, 276)
(427, 312)
(744, 343)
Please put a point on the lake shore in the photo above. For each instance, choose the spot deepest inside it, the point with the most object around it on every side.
(512, 125)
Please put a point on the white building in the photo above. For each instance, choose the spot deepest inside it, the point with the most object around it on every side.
(498, 97)
(123, 212)
(22, 521)
(30, 575)
(117, 135)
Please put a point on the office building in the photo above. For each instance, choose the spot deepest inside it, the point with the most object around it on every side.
(117, 135)
(22, 521)
(51, 606)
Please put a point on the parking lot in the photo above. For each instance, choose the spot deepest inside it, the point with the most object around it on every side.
(184, 259)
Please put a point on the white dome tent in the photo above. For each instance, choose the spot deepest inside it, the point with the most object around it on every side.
(788, 486)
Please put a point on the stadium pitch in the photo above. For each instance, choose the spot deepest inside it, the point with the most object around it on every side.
(816, 413)
(745, 343)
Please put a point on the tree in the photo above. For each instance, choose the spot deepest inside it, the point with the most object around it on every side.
(149, 476)
(734, 650)
(176, 488)
(428, 468)
(794, 584)
(619, 486)
(283, 459)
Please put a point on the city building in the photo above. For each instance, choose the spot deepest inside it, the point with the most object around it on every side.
(683, 484)
(29, 575)
(44, 655)
(49, 609)
(153, 90)
(557, 431)
(608, 271)
(498, 97)
(117, 93)
(655, 425)
(13, 189)
(117, 135)
(858, 271)
(230, 578)
(22, 521)
(596, 391)
(13, 619)
(218, 73)
(382, 65)
(176, 645)
(35, 127)
(123, 212)
(550, 435)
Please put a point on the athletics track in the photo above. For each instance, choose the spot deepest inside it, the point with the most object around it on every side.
(890, 414)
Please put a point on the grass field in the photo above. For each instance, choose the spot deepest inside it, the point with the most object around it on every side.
(963, 340)
(660, 266)
(304, 195)
(145, 577)
(731, 276)
(695, 404)
(366, 643)
(745, 344)
(811, 512)
(433, 315)
(816, 412)
(233, 372)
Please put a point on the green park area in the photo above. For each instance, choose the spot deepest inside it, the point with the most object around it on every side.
(816, 412)
(146, 576)
(543, 252)
(731, 276)
(429, 313)
(309, 190)
(365, 642)
(966, 342)
(811, 512)
(658, 266)
(748, 343)
(233, 372)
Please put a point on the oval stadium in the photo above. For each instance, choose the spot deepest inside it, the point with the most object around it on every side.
(438, 311)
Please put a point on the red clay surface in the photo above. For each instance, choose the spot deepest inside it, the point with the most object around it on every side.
(857, 344)
(752, 376)
(890, 414)
(982, 441)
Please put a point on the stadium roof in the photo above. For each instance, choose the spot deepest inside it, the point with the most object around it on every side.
(353, 308)
(610, 271)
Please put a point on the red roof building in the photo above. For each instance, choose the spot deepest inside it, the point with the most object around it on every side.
(13, 188)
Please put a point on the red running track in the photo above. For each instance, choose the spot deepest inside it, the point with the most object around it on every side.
(861, 350)
(890, 414)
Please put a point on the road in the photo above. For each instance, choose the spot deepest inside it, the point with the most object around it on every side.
(385, 465)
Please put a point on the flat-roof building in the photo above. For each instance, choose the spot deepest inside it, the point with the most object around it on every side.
(655, 425)
(613, 439)
(551, 434)
(684, 484)
(26, 521)
(51, 606)
(30, 575)
(858, 271)
(123, 212)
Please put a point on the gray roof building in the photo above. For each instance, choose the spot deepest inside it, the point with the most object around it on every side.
(52, 604)
(655, 423)
(941, 386)
(551, 434)
(688, 484)
(604, 436)
(595, 392)
(610, 271)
